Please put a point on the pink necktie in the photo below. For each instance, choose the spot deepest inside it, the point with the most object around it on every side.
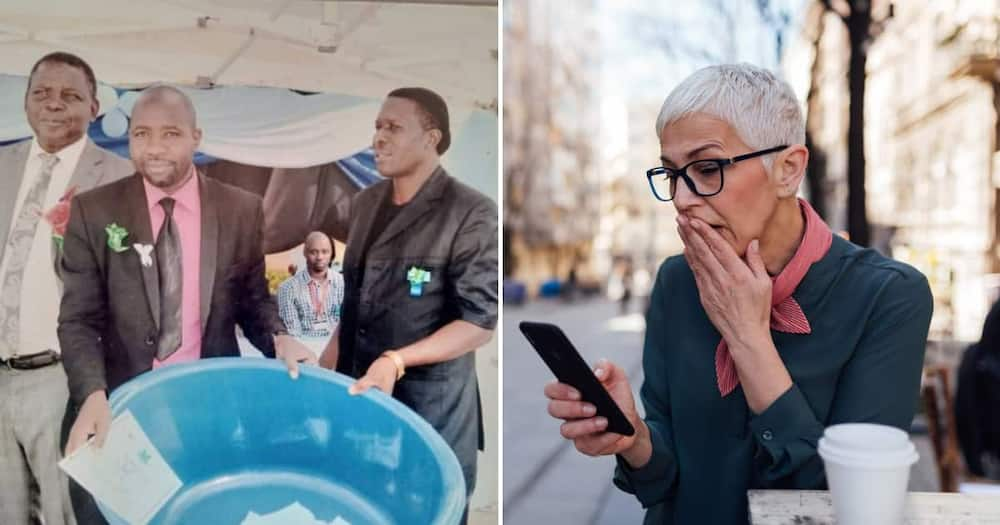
(786, 314)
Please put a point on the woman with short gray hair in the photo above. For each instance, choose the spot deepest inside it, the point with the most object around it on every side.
(766, 330)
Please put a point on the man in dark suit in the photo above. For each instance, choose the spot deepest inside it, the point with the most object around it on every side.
(160, 267)
(420, 275)
(36, 177)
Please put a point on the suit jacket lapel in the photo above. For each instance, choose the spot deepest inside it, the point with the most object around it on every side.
(86, 175)
(140, 231)
(12, 161)
(365, 219)
(88, 171)
(209, 247)
(422, 203)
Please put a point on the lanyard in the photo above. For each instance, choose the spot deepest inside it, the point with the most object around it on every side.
(318, 293)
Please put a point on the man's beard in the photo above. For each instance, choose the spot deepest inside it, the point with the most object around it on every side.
(166, 181)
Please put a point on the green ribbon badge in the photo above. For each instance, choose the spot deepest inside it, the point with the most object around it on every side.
(116, 234)
(417, 277)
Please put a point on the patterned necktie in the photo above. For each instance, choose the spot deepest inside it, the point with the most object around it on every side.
(18, 250)
(168, 260)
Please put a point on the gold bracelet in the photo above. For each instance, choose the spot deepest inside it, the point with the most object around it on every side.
(396, 360)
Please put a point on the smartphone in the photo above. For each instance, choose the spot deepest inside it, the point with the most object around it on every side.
(569, 367)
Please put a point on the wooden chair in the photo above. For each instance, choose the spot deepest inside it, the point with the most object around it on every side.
(939, 407)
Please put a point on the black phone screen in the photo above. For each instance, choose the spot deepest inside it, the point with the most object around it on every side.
(569, 367)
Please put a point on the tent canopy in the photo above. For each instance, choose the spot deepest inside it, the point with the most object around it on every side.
(350, 53)
(351, 48)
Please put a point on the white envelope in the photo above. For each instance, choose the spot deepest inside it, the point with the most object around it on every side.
(127, 474)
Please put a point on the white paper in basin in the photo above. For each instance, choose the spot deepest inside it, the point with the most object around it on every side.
(294, 514)
(127, 474)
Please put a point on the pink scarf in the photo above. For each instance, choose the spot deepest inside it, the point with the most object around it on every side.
(786, 314)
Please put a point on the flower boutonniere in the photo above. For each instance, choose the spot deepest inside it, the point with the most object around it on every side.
(417, 277)
(116, 234)
(145, 253)
(58, 216)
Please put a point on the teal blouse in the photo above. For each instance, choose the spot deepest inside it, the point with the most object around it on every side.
(861, 363)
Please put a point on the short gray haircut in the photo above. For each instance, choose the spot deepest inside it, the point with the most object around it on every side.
(761, 108)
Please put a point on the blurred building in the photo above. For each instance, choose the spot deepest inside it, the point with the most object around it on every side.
(633, 225)
(931, 142)
(583, 83)
(551, 122)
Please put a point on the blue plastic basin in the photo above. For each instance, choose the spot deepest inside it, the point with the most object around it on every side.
(242, 436)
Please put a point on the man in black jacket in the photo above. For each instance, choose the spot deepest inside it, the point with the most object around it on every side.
(420, 273)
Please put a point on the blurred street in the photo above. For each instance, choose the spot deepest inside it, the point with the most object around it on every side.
(546, 481)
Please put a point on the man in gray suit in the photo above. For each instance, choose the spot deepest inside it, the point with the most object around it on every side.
(37, 180)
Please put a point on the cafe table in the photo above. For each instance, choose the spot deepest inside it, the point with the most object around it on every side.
(809, 507)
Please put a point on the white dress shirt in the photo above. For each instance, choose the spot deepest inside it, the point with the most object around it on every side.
(40, 294)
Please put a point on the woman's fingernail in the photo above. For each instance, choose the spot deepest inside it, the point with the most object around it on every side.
(574, 395)
(589, 410)
(601, 422)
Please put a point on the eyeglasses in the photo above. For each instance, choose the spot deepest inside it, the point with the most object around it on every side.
(703, 177)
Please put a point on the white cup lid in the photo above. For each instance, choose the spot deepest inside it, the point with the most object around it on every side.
(906, 455)
(866, 436)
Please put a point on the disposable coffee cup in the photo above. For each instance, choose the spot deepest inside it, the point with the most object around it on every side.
(867, 470)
